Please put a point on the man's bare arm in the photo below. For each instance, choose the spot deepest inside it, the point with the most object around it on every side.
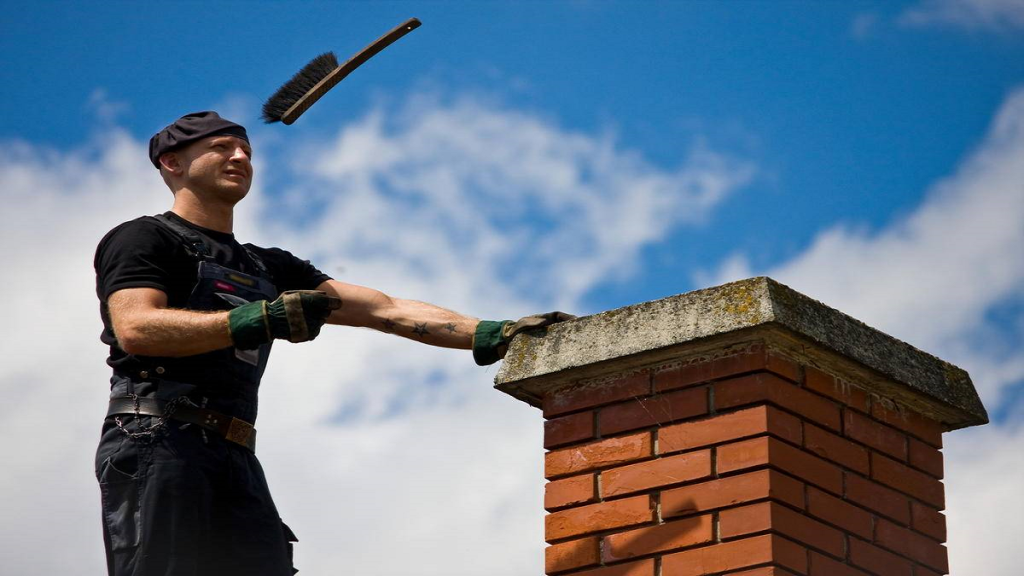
(144, 325)
(369, 308)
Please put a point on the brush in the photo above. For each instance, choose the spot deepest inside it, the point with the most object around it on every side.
(321, 74)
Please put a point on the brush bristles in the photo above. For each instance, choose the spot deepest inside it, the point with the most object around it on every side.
(294, 89)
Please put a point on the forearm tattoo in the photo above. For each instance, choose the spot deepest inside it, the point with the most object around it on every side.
(419, 328)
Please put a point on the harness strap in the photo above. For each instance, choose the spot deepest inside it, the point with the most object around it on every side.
(260, 266)
(197, 248)
(229, 427)
(193, 242)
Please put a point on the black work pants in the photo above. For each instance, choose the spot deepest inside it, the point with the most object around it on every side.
(176, 504)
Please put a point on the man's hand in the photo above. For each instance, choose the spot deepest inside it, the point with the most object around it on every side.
(490, 342)
(296, 316)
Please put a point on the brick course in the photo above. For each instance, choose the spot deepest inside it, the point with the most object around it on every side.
(656, 473)
(782, 470)
(597, 455)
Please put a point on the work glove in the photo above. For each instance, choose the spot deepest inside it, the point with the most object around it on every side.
(296, 316)
(491, 339)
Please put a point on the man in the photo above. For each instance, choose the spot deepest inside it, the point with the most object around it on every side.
(189, 314)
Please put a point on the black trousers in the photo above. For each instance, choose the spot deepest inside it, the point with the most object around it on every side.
(176, 504)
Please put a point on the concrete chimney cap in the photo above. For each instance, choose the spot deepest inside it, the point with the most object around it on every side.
(758, 309)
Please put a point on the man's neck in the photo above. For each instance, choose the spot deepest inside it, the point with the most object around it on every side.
(217, 217)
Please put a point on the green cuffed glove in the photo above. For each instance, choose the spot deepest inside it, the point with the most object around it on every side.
(491, 339)
(296, 316)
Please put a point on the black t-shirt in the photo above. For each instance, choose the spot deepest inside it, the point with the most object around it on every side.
(143, 253)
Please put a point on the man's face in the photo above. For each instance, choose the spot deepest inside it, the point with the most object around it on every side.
(219, 165)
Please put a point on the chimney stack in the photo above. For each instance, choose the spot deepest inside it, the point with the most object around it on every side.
(742, 430)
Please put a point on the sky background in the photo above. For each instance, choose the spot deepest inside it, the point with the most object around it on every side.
(508, 158)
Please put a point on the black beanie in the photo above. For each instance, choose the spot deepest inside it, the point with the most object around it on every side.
(188, 129)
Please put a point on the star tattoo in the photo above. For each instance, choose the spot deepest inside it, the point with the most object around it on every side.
(450, 327)
(421, 330)
(389, 325)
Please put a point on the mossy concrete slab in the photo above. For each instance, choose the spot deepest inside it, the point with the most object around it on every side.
(756, 308)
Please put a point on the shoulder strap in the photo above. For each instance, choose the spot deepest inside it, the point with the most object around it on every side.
(260, 266)
(193, 242)
(197, 248)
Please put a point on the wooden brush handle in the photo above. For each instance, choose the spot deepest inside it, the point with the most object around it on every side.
(339, 73)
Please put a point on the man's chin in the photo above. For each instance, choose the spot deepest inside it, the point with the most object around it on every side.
(234, 190)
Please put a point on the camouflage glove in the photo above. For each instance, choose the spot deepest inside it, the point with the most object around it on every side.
(296, 316)
(491, 339)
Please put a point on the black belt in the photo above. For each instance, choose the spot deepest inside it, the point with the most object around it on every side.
(231, 428)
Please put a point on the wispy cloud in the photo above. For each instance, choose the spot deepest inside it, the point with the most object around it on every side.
(948, 278)
(549, 212)
(863, 24)
(380, 452)
(1002, 15)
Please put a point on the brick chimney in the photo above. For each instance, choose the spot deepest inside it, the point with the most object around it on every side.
(743, 430)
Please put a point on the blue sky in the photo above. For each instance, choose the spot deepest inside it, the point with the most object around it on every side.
(848, 115)
(507, 157)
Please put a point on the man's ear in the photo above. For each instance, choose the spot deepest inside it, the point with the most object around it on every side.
(170, 162)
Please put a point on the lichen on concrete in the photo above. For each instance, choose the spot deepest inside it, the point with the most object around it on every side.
(639, 333)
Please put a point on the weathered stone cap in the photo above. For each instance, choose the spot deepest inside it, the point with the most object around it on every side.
(756, 305)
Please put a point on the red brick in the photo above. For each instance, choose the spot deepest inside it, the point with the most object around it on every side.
(595, 393)
(601, 454)
(736, 554)
(726, 427)
(722, 492)
(909, 421)
(769, 451)
(700, 372)
(641, 568)
(571, 555)
(825, 566)
(766, 387)
(763, 571)
(913, 545)
(656, 473)
(907, 480)
(596, 517)
(772, 516)
(877, 560)
(660, 538)
(836, 449)
(924, 457)
(928, 520)
(875, 434)
(783, 366)
(825, 383)
(568, 429)
(653, 411)
(878, 498)
(569, 492)
(842, 514)
(745, 520)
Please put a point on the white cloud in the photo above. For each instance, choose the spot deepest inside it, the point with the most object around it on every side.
(968, 14)
(933, 277)
(540, 210)
(105, 109)
(380, 452)
(945, 279)
(984, 473)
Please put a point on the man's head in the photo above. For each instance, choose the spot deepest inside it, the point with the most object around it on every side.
(205, 153)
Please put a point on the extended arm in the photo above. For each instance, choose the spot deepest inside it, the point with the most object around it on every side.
(369, 308)
(430, 324)
(144, 325)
